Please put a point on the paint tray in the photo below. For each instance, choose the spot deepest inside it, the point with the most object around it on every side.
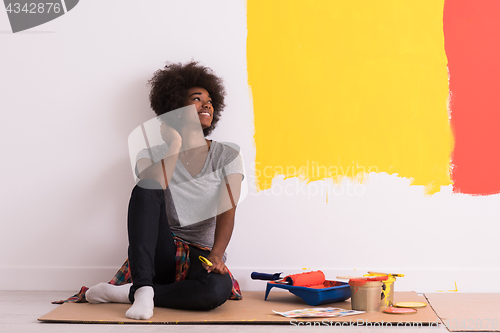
(333, 291)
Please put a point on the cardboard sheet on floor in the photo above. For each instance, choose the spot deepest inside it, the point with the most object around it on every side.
(467, 312)
(252, 309)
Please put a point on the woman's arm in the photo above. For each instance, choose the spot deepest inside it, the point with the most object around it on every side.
(229, 196)
(163, 170)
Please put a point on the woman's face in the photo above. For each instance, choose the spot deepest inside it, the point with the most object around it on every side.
(201, 99)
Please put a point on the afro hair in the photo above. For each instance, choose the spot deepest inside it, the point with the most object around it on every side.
(170, 85)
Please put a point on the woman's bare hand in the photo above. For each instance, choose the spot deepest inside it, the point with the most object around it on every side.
(169, 134)
(218, 265)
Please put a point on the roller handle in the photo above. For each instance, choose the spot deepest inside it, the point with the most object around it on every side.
(265, 276)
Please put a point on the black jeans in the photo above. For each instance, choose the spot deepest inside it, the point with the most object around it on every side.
(151, 255)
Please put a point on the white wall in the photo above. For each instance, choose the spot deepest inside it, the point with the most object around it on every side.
(73, 89)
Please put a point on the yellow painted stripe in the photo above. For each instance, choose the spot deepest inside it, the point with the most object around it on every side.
(343, 88)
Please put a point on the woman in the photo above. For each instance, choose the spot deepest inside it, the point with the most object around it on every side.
(185, 201)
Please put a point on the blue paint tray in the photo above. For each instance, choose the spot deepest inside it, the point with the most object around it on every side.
(334, 291)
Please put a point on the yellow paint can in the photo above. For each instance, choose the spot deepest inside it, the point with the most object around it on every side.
(387, 288)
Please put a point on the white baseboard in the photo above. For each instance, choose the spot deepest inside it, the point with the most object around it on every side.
(53, 278)
(419, 280)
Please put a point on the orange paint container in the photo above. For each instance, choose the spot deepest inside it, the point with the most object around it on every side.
(366, 293)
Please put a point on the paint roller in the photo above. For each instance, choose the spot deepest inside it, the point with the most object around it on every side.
(310, 286)
(312, 279)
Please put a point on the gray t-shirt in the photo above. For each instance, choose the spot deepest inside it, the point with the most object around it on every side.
(192, 202)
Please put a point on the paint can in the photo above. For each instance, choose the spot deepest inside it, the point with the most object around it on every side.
(366, 293)
(387, 288)
(388, 291)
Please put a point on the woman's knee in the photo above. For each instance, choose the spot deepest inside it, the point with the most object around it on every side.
(217, 289)
(145, 190)
(149, 184)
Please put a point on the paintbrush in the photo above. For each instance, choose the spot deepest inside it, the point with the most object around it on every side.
(388, 274)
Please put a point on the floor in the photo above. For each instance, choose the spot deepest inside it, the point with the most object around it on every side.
(19, 311)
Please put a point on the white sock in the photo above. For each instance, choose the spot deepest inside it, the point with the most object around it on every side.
(143, 304)
(108, 293)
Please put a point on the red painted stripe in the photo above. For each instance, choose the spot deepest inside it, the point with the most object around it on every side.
(472, 43)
